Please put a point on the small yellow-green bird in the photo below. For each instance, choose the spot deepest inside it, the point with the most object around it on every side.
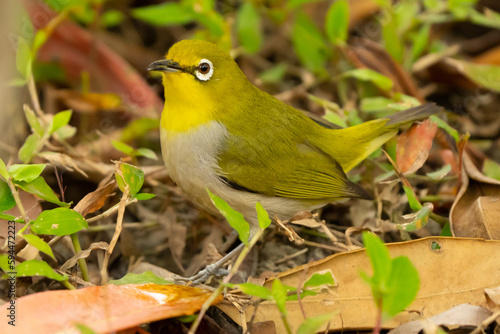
(219, 131)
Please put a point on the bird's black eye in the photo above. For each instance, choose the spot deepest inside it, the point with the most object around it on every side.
(204, 68)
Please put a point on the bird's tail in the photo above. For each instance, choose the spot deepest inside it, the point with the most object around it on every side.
(352, 145)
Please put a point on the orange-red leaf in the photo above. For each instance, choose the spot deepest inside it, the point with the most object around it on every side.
(414, 145)
(107, 308)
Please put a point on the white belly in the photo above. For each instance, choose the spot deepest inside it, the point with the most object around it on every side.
(191, 160)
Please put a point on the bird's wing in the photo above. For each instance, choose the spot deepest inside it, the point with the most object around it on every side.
(286, 166)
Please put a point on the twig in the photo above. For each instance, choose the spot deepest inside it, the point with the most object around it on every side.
(116, 235)
(221, 287)
(111, 210)
(486, 323)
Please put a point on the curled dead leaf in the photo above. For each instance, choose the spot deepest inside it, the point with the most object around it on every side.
(476, 208)
(414, 145)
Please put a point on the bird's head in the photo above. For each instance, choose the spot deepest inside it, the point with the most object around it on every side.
(200, 81)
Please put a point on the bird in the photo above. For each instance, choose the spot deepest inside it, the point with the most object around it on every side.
(220, 132)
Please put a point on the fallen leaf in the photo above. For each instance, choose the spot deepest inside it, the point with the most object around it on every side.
(452, 271)
(414, 145)
(476, 208)
(104, 309)
(94, 200)
(461, 315)
(83, 254)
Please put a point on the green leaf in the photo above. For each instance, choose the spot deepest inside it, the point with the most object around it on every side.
(139, 128)
(145, 277)
(26, 172)
(144, 196)
(84, 329)
(60, 119)
(366, 74)
(379, 257)
(65, 132)
(39, 244)
(5, 265)
(248, 27)
(420, 42)
(3, 170)
(376, 104)
(487, 76)
(440, 173)
(122, 147)
(274, 75)
(29, 148)
(293, 4)
(112, 18)
(262, 216)
(8, 217)
(59, 221)
(337, 22)
(7, 201)
(129, 175)
(33, 121)
(490, 19)
(461, 8)
(491, 169)
(233, 217)
(146, 152)
(392, 40)
(308, 44)
(443, 125)
(279, 293)
(40, 39)
(402, 286)
(312, 324)
(412, 199)
(38, 268)
(169, 13)
(253, 290)
(419, 219)
(23, 58)
(40, 188)
(319, 279)
(446, 231)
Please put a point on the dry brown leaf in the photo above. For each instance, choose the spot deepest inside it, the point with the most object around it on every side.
(104, 309)
(414, 145)
(476, 209)
(456, 273)
(461, 315)
(95, 200)
(83, 254)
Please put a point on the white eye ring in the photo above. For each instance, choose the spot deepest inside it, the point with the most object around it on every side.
(206, 75)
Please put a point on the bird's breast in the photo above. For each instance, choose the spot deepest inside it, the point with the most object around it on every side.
(191, 158)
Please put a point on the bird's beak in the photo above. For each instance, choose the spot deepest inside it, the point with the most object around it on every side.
(165, 65)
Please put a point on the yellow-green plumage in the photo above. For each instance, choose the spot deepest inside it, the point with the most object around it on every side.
(246, 146)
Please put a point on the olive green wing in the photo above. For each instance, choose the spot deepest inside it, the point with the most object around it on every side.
(285, 166)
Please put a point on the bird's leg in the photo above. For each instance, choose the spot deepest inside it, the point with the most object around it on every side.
(214, 269)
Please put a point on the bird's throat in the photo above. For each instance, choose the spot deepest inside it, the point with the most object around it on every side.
(186, 106)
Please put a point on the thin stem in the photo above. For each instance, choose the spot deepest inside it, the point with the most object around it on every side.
(19, 204)
(68, 285)
(116, 235)
(111, 210)
(81, 262)
(378, 323)
(34, 96)
(438, 219)
(219, 289)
